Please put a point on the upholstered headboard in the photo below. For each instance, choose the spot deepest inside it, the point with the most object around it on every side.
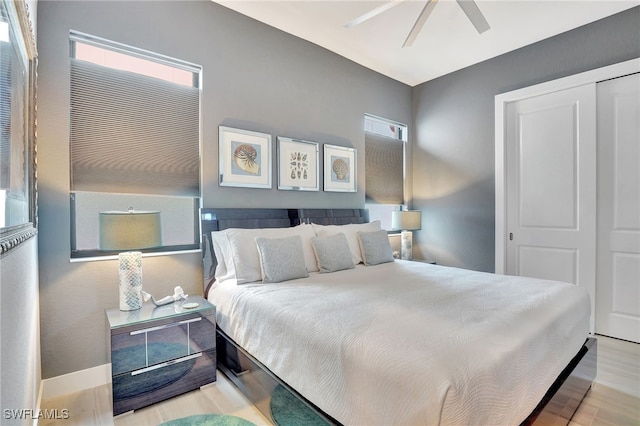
(212, 219)
(328, 216)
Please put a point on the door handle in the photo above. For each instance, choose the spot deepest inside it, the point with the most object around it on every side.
(510, 236)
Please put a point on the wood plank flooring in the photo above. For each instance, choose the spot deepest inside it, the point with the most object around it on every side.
(92, 407)
(614, 398)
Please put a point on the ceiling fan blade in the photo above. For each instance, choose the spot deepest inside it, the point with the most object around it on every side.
(471, 9)
(374, 12)
(424, 15)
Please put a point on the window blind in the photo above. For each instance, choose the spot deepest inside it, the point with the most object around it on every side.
(384, 173)
(7, 86)
(133, 134)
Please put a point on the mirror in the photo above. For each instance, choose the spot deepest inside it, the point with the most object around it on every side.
(17, 126)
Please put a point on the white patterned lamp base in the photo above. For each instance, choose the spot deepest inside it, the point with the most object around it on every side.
(130, 280)
(406, 245)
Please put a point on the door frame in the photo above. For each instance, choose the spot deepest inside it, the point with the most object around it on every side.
(501, 100)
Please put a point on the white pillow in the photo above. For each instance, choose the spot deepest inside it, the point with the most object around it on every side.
(222, 250)
(350, 231)
(244, 252)
(281, 259)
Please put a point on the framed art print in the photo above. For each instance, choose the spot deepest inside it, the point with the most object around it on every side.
(298, 165)
(339, 168)
(245, 158)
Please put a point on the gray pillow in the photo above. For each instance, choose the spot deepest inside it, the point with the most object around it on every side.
(281, 259)
(375, 247)
(332, 253)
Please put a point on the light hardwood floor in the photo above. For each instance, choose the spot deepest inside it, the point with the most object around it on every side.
(614, 398)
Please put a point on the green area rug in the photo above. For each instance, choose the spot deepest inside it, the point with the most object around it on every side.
(209, 420)
(287, 410)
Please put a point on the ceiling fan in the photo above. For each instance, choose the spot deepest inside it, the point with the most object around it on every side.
(469, 7)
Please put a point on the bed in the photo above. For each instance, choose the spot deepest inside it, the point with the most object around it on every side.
(392, 342)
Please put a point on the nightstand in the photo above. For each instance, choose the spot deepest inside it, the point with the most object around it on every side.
(159, 352)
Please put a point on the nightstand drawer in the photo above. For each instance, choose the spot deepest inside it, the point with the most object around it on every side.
(133, 349)
(162, 381)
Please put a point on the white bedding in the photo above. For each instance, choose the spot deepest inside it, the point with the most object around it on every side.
(409, 343)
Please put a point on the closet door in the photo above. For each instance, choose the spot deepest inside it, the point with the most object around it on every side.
(551, 187)
(618, 255)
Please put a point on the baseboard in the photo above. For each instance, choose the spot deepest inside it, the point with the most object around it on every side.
(76, 381)
(39, 401)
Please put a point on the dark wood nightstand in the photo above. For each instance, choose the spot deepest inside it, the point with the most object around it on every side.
(159, 352)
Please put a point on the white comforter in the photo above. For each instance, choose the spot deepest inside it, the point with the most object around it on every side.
(408, 343)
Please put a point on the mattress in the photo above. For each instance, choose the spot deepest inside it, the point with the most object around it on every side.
(410, 343)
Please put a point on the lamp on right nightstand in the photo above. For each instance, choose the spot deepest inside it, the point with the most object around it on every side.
(406, 221)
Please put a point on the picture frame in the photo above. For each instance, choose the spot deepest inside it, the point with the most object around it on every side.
(339, 169)
(245, 158)
(18, 215)
(298, 165)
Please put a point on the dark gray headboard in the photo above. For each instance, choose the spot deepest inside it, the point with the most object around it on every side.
(212, 219)
(329, 216)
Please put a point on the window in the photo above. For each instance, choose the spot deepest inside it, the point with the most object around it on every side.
(134, 141)
(384, 143)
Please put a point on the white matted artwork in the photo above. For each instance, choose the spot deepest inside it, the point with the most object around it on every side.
(245, 158)
(339, 168)
(298, 165)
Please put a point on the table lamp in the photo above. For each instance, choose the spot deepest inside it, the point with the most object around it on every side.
(129, 232)
(406, 221)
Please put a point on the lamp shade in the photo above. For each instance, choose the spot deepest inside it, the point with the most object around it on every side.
(406, 220)
(130, 230)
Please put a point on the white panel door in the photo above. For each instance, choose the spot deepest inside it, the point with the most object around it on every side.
(618, 275)
(551, 187)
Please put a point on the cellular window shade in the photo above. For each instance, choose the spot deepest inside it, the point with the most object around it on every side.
(384, 172)
(132, 134)
(6, 104)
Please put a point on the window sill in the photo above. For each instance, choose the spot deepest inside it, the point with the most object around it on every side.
(115, 256)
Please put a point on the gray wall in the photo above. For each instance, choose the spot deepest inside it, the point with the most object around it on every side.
(255, 78)
(19, 330)
(453, 161)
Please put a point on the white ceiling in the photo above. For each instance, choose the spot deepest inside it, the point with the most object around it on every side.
(448, 41)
